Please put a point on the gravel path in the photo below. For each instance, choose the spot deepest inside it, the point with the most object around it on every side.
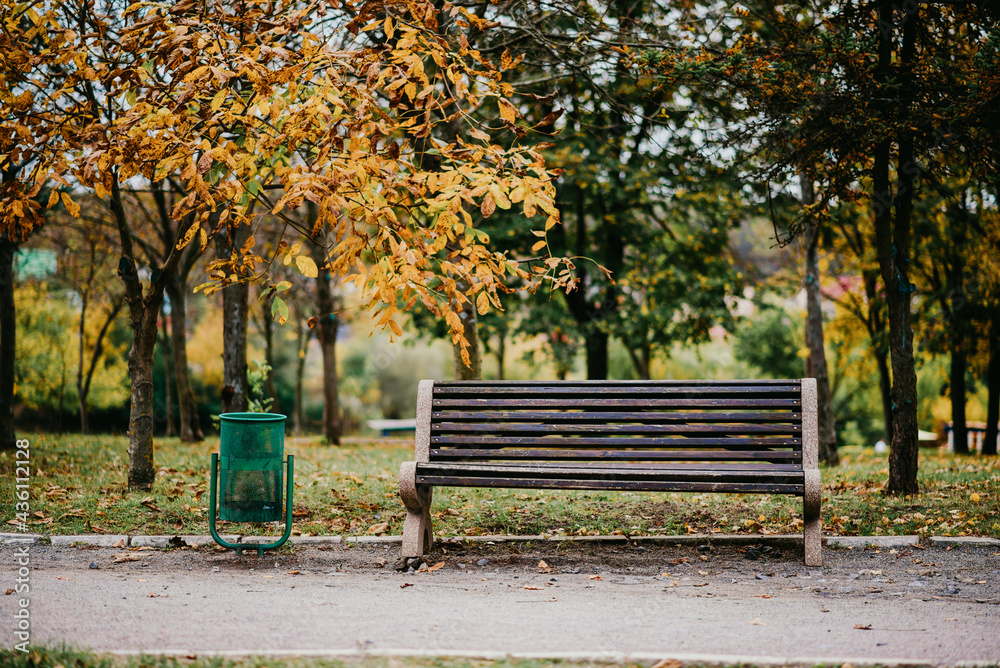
(931, 606)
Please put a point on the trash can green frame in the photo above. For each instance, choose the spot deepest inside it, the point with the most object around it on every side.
(246, 475)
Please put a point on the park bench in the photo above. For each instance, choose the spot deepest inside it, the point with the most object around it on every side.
(735, 436)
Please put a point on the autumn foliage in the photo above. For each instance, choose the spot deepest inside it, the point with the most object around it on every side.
(255, 108)
(252, 109)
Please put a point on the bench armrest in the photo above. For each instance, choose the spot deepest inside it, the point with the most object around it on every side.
(422, 435)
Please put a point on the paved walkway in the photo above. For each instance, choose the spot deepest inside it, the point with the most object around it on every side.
(862, 606)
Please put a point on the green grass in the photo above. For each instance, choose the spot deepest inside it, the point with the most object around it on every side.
(78, 485)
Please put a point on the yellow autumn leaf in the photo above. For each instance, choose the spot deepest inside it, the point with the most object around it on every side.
(306, 266)
(974, 497)
(53, 199)
(507, 111)
(219, 98)
(539, 245)
(188, 236)
(482, 303)
(71, 206)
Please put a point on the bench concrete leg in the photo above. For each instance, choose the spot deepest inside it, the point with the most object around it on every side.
(813, 529)
(418, 533)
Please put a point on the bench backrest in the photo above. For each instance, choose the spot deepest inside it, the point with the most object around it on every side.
(736, 423)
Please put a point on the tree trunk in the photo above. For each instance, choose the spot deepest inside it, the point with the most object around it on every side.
(143, 312)
(168, 364)
(816, 366)
(81, 336)
(956, 390)
(142, 469)
(326, 331)
(596, 348)
(302, 337)
(189, 427)
(640, 358)
(235, 316)
(267, 322)
(993, 385)
(587, 316)
(501, 352)
(470, 329)
(885, 390)
(893, 246)
(8, 344)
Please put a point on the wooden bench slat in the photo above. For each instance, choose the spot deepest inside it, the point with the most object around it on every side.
(635, 404)
(617, 416)
(631, 442)
(666, 465)
(635, 391)
(556, 430)
(616, 455)
(604, 471)
(620, 485)
(442, 384)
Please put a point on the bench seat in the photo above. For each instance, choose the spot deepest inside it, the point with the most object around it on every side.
(746, 437)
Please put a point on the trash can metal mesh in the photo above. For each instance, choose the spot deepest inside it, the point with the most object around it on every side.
(251, 469)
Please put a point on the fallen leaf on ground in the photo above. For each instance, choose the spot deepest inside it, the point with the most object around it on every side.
(863, 627)
(377, 529)
(405, 585)
(702, 572)
(667, 663)
(120, 543)
(436, 567)
(293, 572)
(700, 584)
(122, 557)
(532, 587)
(681, 560)
(543, 567)
(152, 595)
(763, 596)
(9, 592)
(595, 577)
(757, 622)
(148, 502)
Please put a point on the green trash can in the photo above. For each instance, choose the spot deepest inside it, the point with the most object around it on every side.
(250, 472)
(250, 456)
